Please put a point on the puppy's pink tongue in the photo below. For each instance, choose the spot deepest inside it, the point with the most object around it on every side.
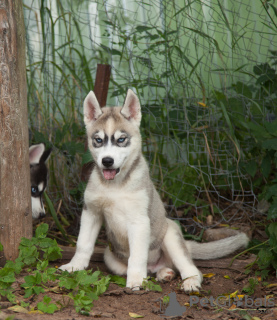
(109, 174)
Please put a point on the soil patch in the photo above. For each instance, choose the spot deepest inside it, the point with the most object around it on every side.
(222, 280)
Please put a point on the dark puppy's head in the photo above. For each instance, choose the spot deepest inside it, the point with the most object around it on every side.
(39, 173)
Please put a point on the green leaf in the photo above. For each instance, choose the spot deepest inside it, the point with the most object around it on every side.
(71, 148)
(46, 243)
(242, 89)
(270, 192)
(37, 290)
(53, 253)
(120, 281)
(47, 299)
(272, 212)
(251, 168)
(7, 275)
(271, 127)
(140, 29)
(81, 301)
(151, 285)
(26, 242)
(55, 217)
(41, 231)
(265, 257)
(28, 255)
(110, 51)
(84, 279)
(15, 266)
(68, 283)
(266, 166)
(272, 229)
(87, 157)
(32, 280)
(101, 285)
(28, 293)
(1, 247)
(272, 232)
(47, 307)
(270, 144)
(258, 131)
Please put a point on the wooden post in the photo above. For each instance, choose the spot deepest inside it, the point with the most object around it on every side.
(15, 190)
(101, 87)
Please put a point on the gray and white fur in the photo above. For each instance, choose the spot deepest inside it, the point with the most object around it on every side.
(121, 193)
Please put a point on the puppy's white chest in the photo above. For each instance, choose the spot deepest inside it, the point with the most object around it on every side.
(116, 217)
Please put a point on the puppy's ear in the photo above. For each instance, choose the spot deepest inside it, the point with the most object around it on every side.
(35, 153)
(131, 108)
(45, 156)
(92, 110)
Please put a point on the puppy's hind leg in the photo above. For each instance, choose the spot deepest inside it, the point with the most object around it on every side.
(165, 274)
(174, 247)
(163, 268)
(114, 264)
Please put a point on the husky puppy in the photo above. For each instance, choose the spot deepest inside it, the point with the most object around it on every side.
(39, 174)
(121, 194)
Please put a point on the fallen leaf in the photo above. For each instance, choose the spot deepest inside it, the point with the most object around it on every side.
(208, 275)
(201, 128)
(18, 309)
(234, 294)
(196, 219)
(255, 318)
(135, 315)
(233, 306)
(271, 285)
(240, 296)
(202, 104)
(35, 311)
(226, 277)
(55, 289)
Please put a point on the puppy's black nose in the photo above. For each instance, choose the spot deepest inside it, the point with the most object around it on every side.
(107, 162)
(42, 214)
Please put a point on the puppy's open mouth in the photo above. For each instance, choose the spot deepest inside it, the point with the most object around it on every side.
(109, 174)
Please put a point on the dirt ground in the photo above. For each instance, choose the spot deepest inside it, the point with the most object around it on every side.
(119, 302)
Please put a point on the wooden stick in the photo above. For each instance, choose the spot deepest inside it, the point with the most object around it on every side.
(68, 253)
(222, 263)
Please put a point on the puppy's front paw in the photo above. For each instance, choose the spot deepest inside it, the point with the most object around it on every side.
(71, 267)
(135, 281)
(191, 284)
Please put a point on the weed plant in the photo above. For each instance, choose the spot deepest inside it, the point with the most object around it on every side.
(80, 287)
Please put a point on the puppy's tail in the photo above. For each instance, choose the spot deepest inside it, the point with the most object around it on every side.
(217, 249)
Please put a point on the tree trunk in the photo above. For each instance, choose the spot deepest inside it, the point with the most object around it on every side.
(15, 193)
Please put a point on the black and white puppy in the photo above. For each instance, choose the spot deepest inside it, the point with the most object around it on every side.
(38, 157)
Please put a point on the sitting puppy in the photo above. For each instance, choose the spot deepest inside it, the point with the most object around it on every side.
(121, 193)
(39, 175)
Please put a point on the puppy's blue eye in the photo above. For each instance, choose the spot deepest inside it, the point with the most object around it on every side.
(34, 189)
(120, 140)
(98, 140)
